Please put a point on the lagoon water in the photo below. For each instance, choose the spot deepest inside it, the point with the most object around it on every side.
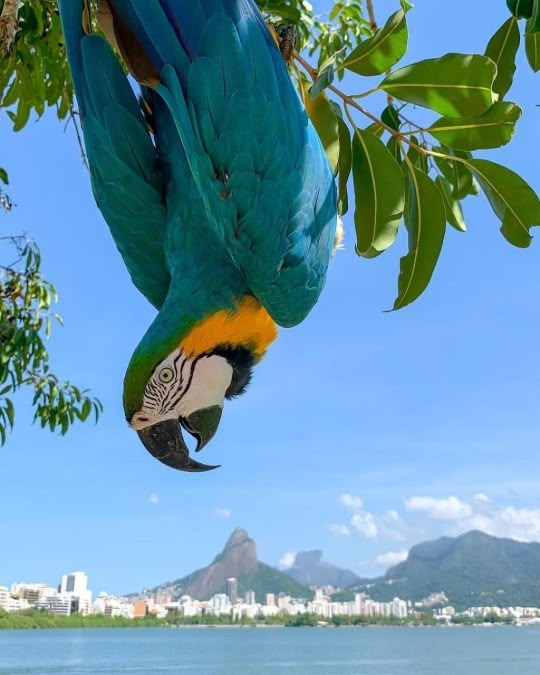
(273, 651)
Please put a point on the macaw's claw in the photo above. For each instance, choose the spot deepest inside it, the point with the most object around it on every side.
(165, 442)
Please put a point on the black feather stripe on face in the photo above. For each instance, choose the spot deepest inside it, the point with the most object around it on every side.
(241, 361)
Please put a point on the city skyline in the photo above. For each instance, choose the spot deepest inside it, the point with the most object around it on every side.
(64, 603)
(363, 432)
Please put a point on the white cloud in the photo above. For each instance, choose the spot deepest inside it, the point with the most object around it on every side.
(391, 558)
(153, 499)
(480, 513)
(365, 524)
(450, 508)
(287, 560)
(521, 524)
(222, 512)
(351, 502)
(393, 516)
(339, 530)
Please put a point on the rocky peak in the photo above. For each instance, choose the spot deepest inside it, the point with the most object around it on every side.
(239, 557)
(239, 536)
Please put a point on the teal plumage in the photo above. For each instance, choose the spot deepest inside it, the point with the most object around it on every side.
(231, 195)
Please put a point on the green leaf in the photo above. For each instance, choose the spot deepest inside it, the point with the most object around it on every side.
(532, 49)
(533, 24)
(457, 173)
(452, 207)
(390, 117)
(419, 159)
(278, 7)
(515, 203)
(23, 114)
(426, 223)
(394, 149)
(382, 51)
(502, 50)
(10, 411)
(379, 195)
(455, 85)
(344, 165)
(522, 9)
(4, 177)
(492, 130)
(325, 121)
(375, 129)
(324, 79)
(86, 410)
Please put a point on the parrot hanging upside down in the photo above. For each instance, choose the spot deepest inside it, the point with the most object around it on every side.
(219, 198)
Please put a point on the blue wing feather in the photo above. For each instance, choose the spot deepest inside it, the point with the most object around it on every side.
(123, 161)
(230, 126)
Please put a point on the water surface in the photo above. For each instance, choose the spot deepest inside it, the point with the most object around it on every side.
(273, 651)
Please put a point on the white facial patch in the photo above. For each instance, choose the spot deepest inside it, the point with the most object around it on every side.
(211, 379)
(179, 386)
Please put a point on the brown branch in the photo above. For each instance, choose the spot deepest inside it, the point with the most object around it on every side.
(79, 137)
(73, 119)
(371, 14)
(353, 104)
(9, 24)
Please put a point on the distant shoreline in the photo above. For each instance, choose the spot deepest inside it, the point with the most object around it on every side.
(265, 626)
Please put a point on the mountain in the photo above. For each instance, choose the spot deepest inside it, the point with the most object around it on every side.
(474, 569)
(238, 559)
(310, 569)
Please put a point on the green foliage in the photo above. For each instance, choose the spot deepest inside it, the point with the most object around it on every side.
(502, 50)
(32, 619)
(269, 580)
(380, 200)
(473, 570)
(383, 50)
(35, 73)
(462, 620)
(26, 321)
(468, 91)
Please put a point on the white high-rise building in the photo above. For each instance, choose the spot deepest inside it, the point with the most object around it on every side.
(56, 603)
(232, 590)
(5, 597)
(76, 583)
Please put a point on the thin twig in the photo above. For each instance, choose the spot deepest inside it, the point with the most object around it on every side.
(371, 14)
(312, 72)
(73, 114)
(351, 102)
(9, 24)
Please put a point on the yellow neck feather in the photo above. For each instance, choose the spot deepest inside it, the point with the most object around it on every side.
(249, 326)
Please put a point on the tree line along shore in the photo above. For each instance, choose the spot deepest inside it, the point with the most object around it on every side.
(37, 619)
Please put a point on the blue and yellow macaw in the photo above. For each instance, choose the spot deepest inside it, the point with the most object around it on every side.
(217, 193)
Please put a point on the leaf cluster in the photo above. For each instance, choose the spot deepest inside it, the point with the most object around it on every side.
(420, 174)
(35, 74)
(26, 320)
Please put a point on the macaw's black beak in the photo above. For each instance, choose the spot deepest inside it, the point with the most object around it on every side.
(203, 424)
(165, 442)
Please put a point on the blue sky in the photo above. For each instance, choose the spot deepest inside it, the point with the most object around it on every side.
(362, 433)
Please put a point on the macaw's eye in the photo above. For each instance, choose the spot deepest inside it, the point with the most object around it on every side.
(166, 375)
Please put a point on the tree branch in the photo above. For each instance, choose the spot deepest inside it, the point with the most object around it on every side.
(73, 119)
(312, 72)
(371, 14)
(9, 24)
